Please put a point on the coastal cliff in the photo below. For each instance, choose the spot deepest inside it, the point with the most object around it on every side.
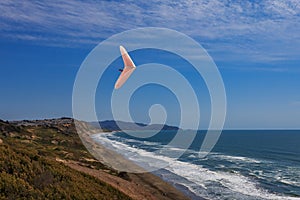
(45, 159)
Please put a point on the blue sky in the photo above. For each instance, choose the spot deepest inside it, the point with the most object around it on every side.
(255, 44)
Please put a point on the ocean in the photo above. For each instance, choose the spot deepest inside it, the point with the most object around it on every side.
(244, 164)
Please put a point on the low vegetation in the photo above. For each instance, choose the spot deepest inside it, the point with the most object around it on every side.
(31, 163)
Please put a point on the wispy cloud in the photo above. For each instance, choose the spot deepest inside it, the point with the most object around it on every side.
(265, 31)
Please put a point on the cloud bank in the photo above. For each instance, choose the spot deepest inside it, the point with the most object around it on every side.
(266, 30)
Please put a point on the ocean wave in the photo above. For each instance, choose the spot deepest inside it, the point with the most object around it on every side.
(205, 182)
(236, 158)
(235, 182)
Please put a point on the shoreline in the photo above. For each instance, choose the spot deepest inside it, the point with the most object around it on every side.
(143, 184)
(181, 188)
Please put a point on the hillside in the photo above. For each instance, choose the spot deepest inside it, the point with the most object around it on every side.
(45, 159)
(29, 166)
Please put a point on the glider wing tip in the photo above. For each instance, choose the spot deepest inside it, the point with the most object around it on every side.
(117, 87)
(122, 48)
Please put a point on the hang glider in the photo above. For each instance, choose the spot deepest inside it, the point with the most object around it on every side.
(129, 67)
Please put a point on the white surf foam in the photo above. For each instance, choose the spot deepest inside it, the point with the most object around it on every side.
(231, 183)
(235, 182)
(236, 158)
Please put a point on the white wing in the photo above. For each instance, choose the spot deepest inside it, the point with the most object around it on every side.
(129, 67)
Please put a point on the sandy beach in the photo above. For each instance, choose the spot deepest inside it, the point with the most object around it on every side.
(143, 185)
(138, 186)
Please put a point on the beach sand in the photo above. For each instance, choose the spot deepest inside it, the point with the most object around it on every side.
(139, 186)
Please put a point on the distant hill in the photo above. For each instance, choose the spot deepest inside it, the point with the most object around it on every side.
(63, 125)
(111, 125)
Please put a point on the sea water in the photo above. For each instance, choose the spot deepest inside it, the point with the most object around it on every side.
(244, 164)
